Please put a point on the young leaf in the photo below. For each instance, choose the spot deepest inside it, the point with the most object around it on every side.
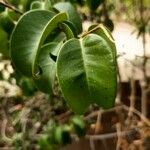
(72, 13)
(46, 5)
(37, 5)
(86, 71)
(29, 35)
(65, 27)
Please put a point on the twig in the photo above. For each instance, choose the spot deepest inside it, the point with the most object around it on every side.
(23, 119)
(87, 32)
(98, 122)
(63, 117)
(144, 99)
(138, 114)
(6, 4)
(94, 29)
(3, 131)
(4, 121)
(108, 136)
(132, 97)
(94, 114)
(92, 145)
(118, 127)
(120, 86)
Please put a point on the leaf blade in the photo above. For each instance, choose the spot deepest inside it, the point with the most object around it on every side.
(28, 37)
(45, 82)
(72, 14)
(90, 63)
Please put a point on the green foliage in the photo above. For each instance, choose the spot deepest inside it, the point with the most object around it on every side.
(44, 144)
(72, 14)
(56, 134)
(48, 66)
(85, 80)
(34, 37)
(36, 5)
(84, 64)
(78, 125)
(62, 135)
(46, 48)
(49, 48)
(41, 5)
(27, 85)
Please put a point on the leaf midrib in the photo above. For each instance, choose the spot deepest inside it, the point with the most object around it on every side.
(84, 64)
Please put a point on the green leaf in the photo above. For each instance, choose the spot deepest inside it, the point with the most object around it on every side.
(27, 86)
(106, 34)
(37, 5)
(29, 35)
(78, 125)
(27, 4)
(46, 5)
(86, 70)
(74, 18)
(46, 80)
(62, 135)
(59, 35)
(65, 27)
(56, 36)
(94, 4)
(71, 26)
(44, 143)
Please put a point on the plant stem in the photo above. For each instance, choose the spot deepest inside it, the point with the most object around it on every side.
(132, 96)
(144, 86)
(6, 4)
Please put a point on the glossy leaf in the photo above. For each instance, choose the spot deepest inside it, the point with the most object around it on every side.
(65, 27)
(87, 74)
(106, 34)
(46, 80)
(26, 4)
(29, 35)
(72, 27)
(72, 13)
